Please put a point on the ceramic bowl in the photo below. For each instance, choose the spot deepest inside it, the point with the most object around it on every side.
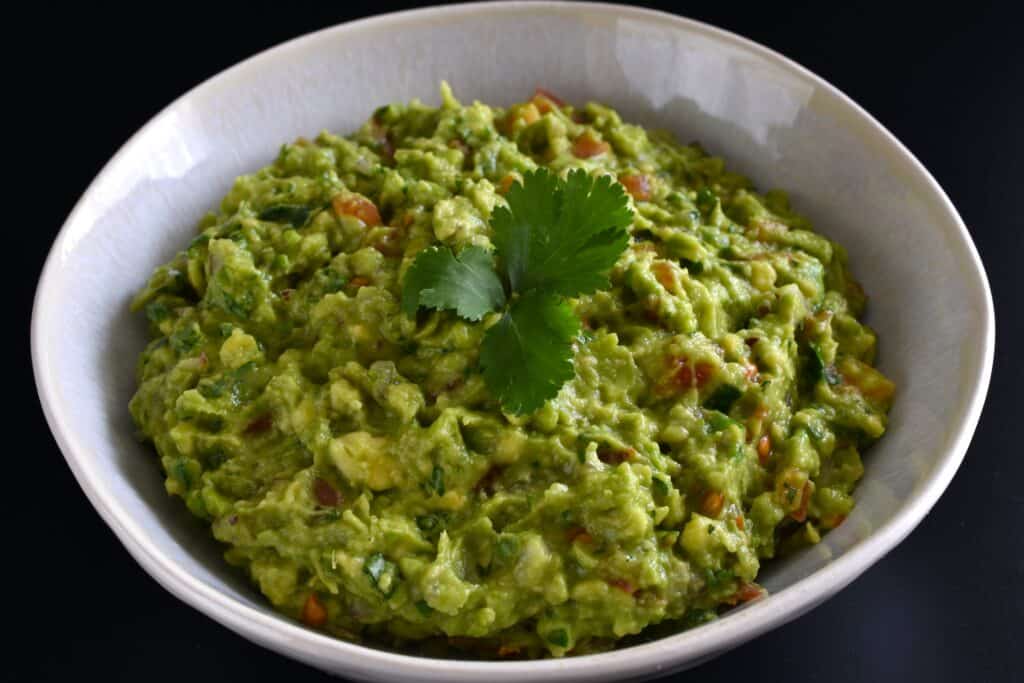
(772, 120)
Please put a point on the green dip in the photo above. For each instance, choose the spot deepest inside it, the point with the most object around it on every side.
(355, 465)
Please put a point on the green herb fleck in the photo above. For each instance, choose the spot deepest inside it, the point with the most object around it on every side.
(692, 267)
(558, 637)
(659, 486)
(198, 241)
(294, 214)
(723, 398)
(334, 281)
(180, 471)
(718, 578)
(185, 339)
(790, 493)
(696, 617)
(706, 200)
(436, 481)
(507, 547)
(431, 522)
(157, 312)
(718, 421)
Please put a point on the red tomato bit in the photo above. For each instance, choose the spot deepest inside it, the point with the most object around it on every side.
(260, 425)
(637, 184)
(358, 207)
(764, 449)
(623, 585)
(313, 613)
(711, 504)
(325, 494)
(587, 146)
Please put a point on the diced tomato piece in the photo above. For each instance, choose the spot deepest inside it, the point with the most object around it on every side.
(748, 591)
(506, 183)
(527, 113)
(623, 585)
(358, 207)
(614, 456)
(260, 425)
(764, 449)
(359, 281)
(755, 423)
(325, 494)
(711, 504)
(663, 274)
(684, 375)
(740, 523)
(751, 371)
(313, 613)
(543, 94)
(508, 651)
(637, 184)
(486, 482)
(703, 373)
(578, 533)
(587, 146)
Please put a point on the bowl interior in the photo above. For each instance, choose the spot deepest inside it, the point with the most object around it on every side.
(768, 118)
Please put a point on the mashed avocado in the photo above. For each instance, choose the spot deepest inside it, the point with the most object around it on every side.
(355, 465)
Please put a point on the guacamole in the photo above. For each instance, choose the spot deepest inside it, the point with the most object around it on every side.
(355, 465)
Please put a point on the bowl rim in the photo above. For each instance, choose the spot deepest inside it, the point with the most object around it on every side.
(658, 656)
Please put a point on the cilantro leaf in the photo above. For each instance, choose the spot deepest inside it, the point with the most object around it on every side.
(527, 356)
(465, 283)
(556, 238)
(561, 236)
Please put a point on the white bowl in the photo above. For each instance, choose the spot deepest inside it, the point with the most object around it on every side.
(770, 118)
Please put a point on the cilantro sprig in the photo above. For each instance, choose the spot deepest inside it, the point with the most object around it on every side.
(556, 239)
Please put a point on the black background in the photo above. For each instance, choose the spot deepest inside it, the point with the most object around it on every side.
(947, 79)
